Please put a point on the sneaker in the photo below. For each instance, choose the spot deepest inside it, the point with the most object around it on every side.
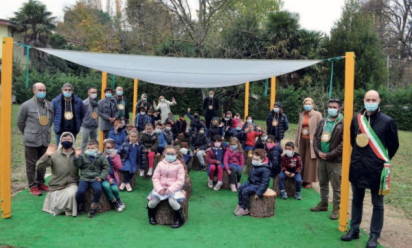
(218, 186)
(43, 187)
(283, 194)
(34, 190)
(236, 209)
(119, 206)
(122, 206)
(93, 210)
(141, 173)
(122, 186)
(210, 183)
(238, 185)
(233, 188)
(128, 187)
(150, 172)
(298, 196)
(242, 212)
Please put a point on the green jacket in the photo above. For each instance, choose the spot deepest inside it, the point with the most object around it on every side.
(64, 173)
(90, 168)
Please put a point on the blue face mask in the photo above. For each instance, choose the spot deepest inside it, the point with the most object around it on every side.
(67, 94)
(233, 147)
(170, 158)
(371, 106)
(307, 107)
(108, 94)
(332, 112)
(91, 152)
(41, 94)
(119, 93)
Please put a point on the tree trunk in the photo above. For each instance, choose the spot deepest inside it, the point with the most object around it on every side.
(104, 203)
(263, 207)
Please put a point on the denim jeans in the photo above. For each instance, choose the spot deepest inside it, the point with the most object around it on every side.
(297, 178)
(84, 186)
(236, 173)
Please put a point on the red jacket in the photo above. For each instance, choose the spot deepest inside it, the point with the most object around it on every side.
(251, 138)
(233, 157)
(116, 165)
(293, 164)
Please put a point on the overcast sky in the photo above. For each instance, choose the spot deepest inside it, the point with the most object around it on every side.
(318, 15)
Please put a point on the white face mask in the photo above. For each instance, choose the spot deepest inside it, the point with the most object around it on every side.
(256, 162)
(276, 110)
(289, 153)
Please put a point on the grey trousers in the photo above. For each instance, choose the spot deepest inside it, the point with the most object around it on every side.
(34, 176)
(329, 172)
(88, 134)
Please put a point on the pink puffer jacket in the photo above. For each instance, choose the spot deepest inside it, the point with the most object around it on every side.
(169, 175)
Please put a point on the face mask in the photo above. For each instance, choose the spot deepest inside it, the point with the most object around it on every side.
(142, 113)
(217, 144)
(289, 153)
(201, 131)
(93, 96)
(264, 138)
(183, 150)
(158, 130)
(233, 147)
(67, 94)
(108, 94)
(239, 128)
(162, 100)
(168, 128)
(91, 152)
(270, 145)
(170, 158)
(211, 95)
(196, 116)
(276, 110)
(256, 162)
(307, 107)
(41, 94)
(227, 118)
(249, 121)
(111, 151)
(332, 112)
(371, 106)
(67, 144)
(119, 92)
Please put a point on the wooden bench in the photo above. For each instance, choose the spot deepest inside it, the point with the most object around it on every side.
(104, 203)
(265, 206)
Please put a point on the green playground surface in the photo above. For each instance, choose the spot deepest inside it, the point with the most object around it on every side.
(211, 223)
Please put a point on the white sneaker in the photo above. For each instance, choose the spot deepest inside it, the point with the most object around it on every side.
(150, 172)
(218, 186)
(141, 173)
(233, 188)
(209, 183)
(242, 212)
(121, 187)
(238, 185)
(128, 187)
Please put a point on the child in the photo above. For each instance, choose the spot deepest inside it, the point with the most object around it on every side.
(274, 152)
(142, 119)
(291, 166)
(216, 128)
(118, 133)
(258, 181)
(182, 142)
(238, 133)
(227, 124)
(249, 121)
(133, 158)
(93, 169)
(113, 178)
(236, 121)
(179, 126)
(149, 141)
(195, 123)
(214, 158)
(161, 138)
(199, 144)
(168, 133)
(251, 135)
(234, 161)
(168, 180)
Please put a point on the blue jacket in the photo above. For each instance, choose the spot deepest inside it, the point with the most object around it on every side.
(274, 156)
(119, 137)
(161, 139)
(132, 158)
(141, 121)
(79, 112)
(260, 176)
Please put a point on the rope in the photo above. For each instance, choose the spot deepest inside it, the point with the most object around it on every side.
(332, 63)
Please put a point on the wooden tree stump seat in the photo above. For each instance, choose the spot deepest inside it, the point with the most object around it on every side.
(226, 181)
(290, 186)
(104, 203)
(165, 214)
(265, 206)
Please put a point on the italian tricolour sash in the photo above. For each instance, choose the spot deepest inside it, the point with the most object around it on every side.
(380, 151)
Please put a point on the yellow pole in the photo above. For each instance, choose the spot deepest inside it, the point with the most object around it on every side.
(247, 87)
(135, 96)
(272, 92)
(104, 86)
(347, 149)
(5, 127)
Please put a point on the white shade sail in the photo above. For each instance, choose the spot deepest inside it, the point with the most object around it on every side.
(182, 72)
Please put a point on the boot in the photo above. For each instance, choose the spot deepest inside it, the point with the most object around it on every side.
(321, 207)
(93, 210)
(151, 212)
(179, 219)
(373, 241)
(350, 235)
(335, 213)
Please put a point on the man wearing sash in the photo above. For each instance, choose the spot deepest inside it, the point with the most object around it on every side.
(327, 145)
(89, 125)
(34, 122)
(374, 138)
(122, 107)
(68, 112)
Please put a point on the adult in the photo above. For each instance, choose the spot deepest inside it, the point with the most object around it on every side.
(34, 123)
(210, 107)
(90, 120)
(123, 109)
(277, 122)
(308, 122)
(164, 107)
(143, 103)
(68, 112)
(374, 138)
(328, 149)
(61, 198)
(107, 110)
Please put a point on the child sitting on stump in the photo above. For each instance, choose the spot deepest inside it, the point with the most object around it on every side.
(214, 158)
(93, 169)
(168, 180)
(113, 178)
(258, 181)
(291, 167)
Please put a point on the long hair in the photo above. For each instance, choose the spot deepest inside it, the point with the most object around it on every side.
(239, 145)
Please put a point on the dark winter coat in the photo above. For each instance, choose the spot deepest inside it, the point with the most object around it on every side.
(78, 112)
(283, 125)
(274, 155)
(260, 176)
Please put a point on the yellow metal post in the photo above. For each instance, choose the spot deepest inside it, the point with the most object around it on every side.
(5, 127)
(104, 86)
(347, 149)
(135, 96)
(247, 87)
(272, 92)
